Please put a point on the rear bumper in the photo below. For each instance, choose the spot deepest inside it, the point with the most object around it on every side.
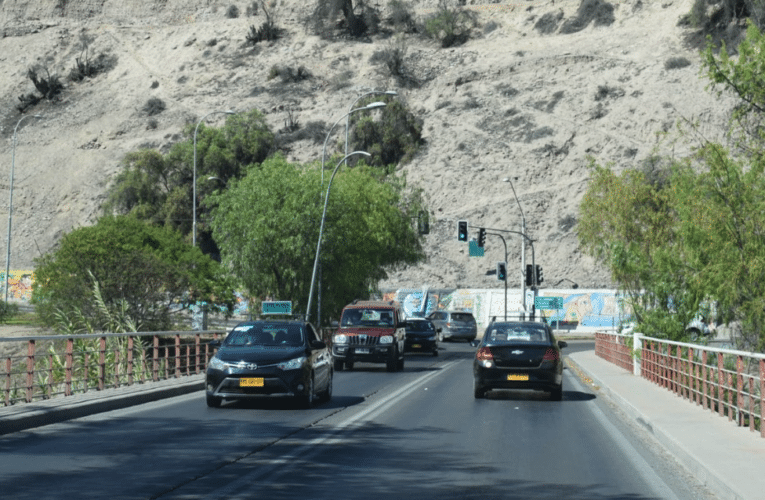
(497, 378)
(420, 345)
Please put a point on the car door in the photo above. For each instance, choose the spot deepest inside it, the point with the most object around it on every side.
(320, 358)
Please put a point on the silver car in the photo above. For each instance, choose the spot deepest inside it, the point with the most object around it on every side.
(454, 325)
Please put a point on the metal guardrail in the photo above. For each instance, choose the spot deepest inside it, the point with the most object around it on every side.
(728, 382)
(56, 365)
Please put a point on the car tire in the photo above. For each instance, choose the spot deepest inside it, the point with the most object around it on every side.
(400, 364)
(326, 394)
(557, 393)
(306, 400)
(479, 392)
(339, 365)
(435, 351)
(392, 361)
(349, 365)
(214, 401)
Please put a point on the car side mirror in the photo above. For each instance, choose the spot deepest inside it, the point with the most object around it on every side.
(318, 344)
(334, 324)
(214, 343)
(438, 330)
(562, 344)
(475, 342)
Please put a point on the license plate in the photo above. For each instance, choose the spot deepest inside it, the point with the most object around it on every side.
(517, 377)
(416, 346)
(362, 351)
(251, 382)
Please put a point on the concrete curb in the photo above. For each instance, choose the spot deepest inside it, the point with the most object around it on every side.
(60, 409)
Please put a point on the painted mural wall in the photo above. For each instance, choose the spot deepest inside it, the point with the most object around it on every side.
(19, 285)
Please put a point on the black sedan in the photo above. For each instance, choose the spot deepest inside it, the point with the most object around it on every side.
(270, 358)
(519, 355)
(421, 336)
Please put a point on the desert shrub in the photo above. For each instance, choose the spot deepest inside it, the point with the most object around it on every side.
(86, 66)
(268, 31)
(392, 139)
(548, 23)
(450, 26)
(359, 19)
(392, 57)
(315, 131)
(7, 311)
(289, 74)
(402, 16)
(48, 85)
(152, 125)
(252, 9)
(154, 106)
(676, 63)
(341, 80)
(605, 92)
(232, 12)
(599, 12)
(567, 222)
(489, 27)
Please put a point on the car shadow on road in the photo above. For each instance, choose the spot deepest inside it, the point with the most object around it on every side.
(527, 395)
(280, 404)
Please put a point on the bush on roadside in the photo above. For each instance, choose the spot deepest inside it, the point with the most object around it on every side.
(450, 26)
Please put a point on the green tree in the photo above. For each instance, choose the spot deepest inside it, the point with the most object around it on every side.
(148, 267)
(267, 226)
(629, 223)
(159, 188)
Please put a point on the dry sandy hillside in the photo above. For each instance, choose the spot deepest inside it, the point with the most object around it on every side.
(513, 105)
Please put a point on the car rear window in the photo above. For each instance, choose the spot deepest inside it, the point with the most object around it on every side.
(420, 326)
(515, 333)
(462, 317)
(270, 334)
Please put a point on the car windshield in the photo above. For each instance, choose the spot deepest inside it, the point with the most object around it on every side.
(367, 317)
(462, 317)
(267, 334)
(509, 333)
(420, 326)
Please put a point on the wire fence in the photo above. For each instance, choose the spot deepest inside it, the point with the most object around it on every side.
(728, 382)
(74, 364)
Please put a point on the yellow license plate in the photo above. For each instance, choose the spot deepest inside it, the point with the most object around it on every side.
(416, 346)
(517, 377)
(251, 382)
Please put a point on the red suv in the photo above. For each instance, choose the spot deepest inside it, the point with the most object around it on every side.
(370, 332)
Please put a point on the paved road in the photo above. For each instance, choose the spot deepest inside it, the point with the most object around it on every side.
(413, 434)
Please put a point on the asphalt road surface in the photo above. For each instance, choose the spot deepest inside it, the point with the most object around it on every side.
(412, 434)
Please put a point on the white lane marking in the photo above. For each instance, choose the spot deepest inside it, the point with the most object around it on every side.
(369, 413)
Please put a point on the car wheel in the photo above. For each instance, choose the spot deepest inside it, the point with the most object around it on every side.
(392, 361)
(349, 365)
(400, 364)
(339, 365)
(214, 401)
(479, 392)
(557, 393)
(435, 351)
(327, 394)
(306, 400)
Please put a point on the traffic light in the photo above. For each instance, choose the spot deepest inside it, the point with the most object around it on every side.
(540, 279)
(462, 230)
(502, 271)
(529, 275)
(481, 237)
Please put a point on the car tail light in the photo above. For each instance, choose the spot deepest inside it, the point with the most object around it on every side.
(484, 354)
(550, 355)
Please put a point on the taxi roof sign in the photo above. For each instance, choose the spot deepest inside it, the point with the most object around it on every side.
(276, 307)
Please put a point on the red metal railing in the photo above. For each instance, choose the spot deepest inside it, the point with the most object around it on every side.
(66, 365)
(728, 382)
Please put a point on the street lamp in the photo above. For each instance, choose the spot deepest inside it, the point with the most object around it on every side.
(10, 201)
(194, 203)
(321, 230)
(350, 108)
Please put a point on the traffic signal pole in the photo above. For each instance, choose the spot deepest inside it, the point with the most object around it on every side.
(523, 259)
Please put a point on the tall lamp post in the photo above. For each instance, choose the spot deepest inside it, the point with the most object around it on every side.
(10, 202)
(321, 229)
(194, 195)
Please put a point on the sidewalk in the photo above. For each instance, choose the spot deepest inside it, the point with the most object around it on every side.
(24, 416)
(730, 460)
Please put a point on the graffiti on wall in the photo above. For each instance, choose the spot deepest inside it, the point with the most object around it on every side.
(19, 285)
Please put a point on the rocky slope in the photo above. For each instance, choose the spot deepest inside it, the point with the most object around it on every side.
(520, 106)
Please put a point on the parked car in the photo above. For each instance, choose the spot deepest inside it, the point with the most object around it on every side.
(421, 336)
(270, 358)
(454, 325)
(518, 355)
(372, 332)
